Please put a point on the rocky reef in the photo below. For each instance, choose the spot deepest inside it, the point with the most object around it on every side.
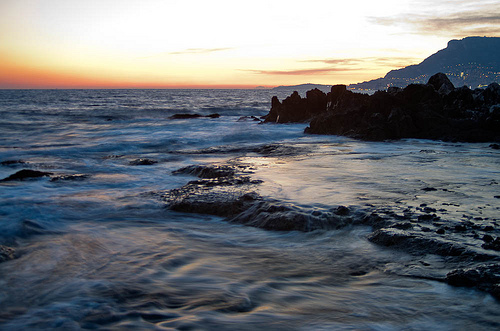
(458, 252)
(436, 110)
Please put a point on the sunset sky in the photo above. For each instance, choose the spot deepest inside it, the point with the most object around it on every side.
(219, 43)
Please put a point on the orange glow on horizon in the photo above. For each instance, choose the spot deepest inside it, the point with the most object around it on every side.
(16, 76)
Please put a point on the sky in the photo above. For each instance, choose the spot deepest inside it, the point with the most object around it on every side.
(225, 43)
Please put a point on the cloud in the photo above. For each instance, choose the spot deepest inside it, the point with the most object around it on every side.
(200, 50)
(300, 72)
(369, 61)
(462, 19)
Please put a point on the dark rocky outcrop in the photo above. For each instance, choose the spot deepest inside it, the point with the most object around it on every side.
(436, 110)
(297, 109)
(26, 174)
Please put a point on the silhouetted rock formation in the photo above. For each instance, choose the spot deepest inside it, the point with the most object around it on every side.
(297, 109)
(436, 110)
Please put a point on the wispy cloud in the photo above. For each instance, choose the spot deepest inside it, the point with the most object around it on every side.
(301, 72)
(200, 50)
(368, 61)
(462, 20)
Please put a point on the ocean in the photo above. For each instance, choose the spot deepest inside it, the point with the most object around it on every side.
(96, 248)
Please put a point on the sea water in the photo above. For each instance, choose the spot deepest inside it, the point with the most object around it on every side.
(102, 253)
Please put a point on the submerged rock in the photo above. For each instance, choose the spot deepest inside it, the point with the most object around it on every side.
(6, 253)
(189, 116)
(26, 174)
(484, 277)
(12, 162)
(143, 162)
(74, 177)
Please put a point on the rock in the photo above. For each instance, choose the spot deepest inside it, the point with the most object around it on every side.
(249, 118)
(495, 146)
(211, 171)
(26, 174)
(342, 210)
(435, 110)
(494, 245)
(297, 109)
(487, 238)
(440, 231)
(189, 116)
(75, 177)
(423, 243)
(441, 83)
(225, 190)
(12, 162)
(6, 253)
(215, 115)
(484, 277)
(143, 162)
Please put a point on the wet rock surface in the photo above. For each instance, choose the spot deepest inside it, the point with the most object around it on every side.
(228, 191)
(436, 110)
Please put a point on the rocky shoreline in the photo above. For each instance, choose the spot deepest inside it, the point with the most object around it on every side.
(452, 251)
(436, 110)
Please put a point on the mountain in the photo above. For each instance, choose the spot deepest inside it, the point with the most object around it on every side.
(472, 61)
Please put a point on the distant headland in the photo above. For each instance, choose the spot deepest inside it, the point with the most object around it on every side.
(472, 62)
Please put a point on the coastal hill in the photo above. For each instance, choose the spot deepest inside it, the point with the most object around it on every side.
(472, 61)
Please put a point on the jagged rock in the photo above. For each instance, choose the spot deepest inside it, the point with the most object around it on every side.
(26, 174)
(485, 277)
(441, 83)
(297, 109)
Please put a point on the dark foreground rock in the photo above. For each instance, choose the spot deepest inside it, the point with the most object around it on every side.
(26, 174)
(436, 110)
